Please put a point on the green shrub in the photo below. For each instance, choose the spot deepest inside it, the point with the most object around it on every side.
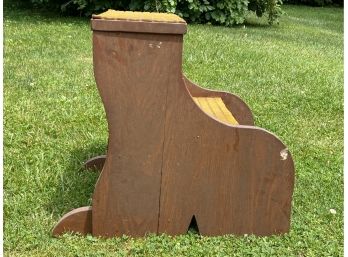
(219, 12)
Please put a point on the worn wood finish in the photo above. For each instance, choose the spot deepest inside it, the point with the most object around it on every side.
(233, 179)
(95, 163)
(78, 221)
(234, 104)
(167, 160)
(237, 106)
(136, 26)
(133, 87)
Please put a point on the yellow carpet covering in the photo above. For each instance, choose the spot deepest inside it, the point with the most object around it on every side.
(139, 16)
(214, 106)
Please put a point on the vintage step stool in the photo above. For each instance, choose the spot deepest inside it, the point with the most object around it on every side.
(176, 151)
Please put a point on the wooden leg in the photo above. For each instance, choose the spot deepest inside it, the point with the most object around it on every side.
(95, 163)
(77, 221)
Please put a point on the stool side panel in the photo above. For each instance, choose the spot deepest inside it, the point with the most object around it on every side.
(231, 178)
(133, 72)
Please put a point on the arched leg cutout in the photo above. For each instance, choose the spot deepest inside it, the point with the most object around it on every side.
(193, 227)
(78, 221)
(95, 163)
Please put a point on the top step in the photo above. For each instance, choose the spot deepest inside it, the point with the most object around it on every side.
(139, 16)
(142, 22)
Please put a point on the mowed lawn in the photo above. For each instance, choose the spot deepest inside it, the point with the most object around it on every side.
(291, 75)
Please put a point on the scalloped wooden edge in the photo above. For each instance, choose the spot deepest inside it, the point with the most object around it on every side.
(95, 163)
(77, 221)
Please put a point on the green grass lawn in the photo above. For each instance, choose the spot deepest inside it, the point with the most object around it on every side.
(291, 76)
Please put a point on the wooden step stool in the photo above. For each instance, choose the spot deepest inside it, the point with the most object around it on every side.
(176, 151)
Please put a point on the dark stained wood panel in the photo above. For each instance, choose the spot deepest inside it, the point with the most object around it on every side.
(232, 178)
(132, 72)
(77, 221)
(95, 163)
(167, 160)
(140, 27)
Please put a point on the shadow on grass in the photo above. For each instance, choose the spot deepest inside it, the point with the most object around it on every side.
(254, 24)
(76, 185)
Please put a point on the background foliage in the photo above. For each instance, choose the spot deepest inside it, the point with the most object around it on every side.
(220, 12)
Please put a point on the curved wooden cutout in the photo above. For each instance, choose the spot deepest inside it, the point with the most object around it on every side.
(234, 104)
(95, 163)
(167, 160)
(235, 179)
(232, 178)
(78, 221)
(126, 196)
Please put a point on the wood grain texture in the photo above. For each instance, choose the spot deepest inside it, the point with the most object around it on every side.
(132, 71)
(232, 178)
(95, 163)
(167, 160)
(78, 221)
(138, 26)
(234, 104)
(215, 107)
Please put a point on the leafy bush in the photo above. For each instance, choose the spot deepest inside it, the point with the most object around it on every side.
(220, 12)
